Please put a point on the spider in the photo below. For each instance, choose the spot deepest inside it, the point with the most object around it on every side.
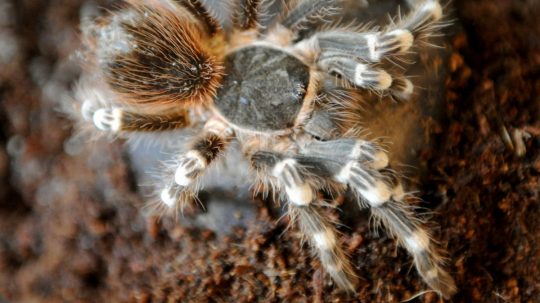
(282, 91)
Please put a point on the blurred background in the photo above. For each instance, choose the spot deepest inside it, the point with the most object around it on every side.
(71, 229)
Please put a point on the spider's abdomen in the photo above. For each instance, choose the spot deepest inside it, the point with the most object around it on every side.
(263, 90)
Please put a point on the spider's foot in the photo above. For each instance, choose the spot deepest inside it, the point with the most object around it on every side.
(424, 15)
(402, 88)
(432, 9)
(168, 197)
(108, 119)
(378, 79)
(190, 167)
(394, 42)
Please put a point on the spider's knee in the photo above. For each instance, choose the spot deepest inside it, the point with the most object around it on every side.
(288, 172)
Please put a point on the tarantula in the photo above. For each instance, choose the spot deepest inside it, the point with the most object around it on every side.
(282, 91)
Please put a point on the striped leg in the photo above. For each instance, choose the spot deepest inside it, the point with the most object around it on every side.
(363, 168)
(376, 45)
(355, 56)
(308, 11)
(190, 166)
(248, 14)
(299, 188)
(117, 120)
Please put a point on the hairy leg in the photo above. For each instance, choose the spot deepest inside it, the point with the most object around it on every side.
(299, 188)
(307, 12)
(197, 8)
(118, 120)
(359, 56)
(248, 14)
(191, 164)
(364, 168)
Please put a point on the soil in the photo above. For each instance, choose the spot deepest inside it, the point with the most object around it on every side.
(70, 223)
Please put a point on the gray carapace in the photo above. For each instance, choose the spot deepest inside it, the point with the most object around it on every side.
(263, 88)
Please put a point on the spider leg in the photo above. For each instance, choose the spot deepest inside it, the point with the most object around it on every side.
(357, 56)
(117, 119)
(191, 165)
(373, 46)
(306, 12)
(197, 8)
(248, 14)
(364, 168)
(299, 187)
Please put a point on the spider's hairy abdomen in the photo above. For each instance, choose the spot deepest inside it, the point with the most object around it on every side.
(166, 62)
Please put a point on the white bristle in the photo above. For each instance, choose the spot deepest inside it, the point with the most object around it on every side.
(181, 175)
